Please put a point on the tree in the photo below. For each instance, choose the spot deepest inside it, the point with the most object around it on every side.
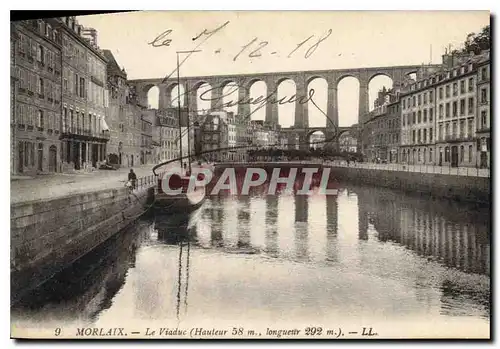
(476, 42)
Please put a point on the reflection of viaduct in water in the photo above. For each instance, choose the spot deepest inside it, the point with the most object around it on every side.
(271, 225)
(459, 240)
(86, 288)
(458, 236)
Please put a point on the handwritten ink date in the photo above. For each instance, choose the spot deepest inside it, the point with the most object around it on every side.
(254, 48)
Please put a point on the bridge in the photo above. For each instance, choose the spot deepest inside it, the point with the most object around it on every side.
(398, 74)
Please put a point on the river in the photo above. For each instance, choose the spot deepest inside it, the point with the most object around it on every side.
(367, 256)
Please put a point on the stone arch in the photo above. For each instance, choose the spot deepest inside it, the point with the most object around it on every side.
(203, 98)
(171, 94)
(343, 76)
(286, 87)
(377, 83)
(314, 142)
(252, 81)
(380, 73)
(230, 95)
(256, 93)
(411, 74)
(314, 77)
(152, 95)
(317, 105)
(348, 88)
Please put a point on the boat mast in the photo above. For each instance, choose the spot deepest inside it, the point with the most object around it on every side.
(179, 110)
(188, 133)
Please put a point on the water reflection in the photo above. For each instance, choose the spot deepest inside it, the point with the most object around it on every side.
(366, 250)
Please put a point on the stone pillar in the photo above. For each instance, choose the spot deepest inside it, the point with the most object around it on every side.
(216, 100)
(363, 100)
(98, 152)
(163, 97)
(191, 98)
(272, 102)
(244, 106)
(301, 117)
(332, 106)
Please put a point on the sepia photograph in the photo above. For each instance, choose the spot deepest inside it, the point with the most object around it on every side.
(250, 175)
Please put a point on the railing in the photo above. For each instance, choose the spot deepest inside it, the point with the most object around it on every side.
(147, 181)
(85, 132)
(420, 168)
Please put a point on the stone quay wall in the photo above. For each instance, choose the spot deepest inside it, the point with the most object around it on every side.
(449, 186)
(48, 235)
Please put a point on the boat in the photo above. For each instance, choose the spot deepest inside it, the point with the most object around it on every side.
(186, 200)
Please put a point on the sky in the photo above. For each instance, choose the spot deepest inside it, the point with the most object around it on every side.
(357, 39)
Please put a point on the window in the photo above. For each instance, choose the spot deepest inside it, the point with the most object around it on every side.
(419, 99)
(425, 98)
(470, 127)
(40, 87)
(447, 129)
(76, 91)
(471, 84)
(462, 86)
(454, 129)
(484, 73)
(462, 153)
(447, 154)
(441, 109)
(483, 119)
(462, 106)
(419, 136)
(440, 93)
(40, 120)
(462, 128)
(430, 154)
(440, 134)
(455, 108)
(431, 130)
(40, 54)
(484, 95)
(414, 101)
(447, 91)
(425, 115)
(431, 114)
(471, 105)
(404, 103)
(447, 110)
(431, 96)
(414, 134)
(425, 136)
(455, 89)
(82, 87)
(470, 153)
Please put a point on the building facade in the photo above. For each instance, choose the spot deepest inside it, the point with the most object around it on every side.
(440, 112)
(36, 97)
(84, 132)
(418, 122)
(214, 136)
(167, 133)
(483, 112)
(381, 131)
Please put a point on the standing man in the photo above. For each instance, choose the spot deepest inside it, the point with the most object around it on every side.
(132, 178)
